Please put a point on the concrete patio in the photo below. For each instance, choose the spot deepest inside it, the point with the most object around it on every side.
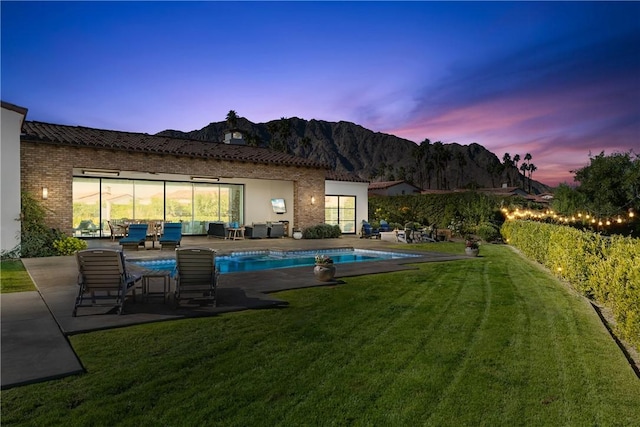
(35, 325)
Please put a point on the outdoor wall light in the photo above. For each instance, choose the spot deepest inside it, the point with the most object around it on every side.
(45, 193)
(204, 179)
(100, 173)
(313, 200)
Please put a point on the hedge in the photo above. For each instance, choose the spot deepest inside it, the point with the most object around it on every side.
(603, 268)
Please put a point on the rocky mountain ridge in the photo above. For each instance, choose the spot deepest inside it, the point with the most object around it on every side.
(376, 156)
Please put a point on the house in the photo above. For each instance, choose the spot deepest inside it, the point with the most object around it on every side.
(12, 118)
(81, 173)
(392, 188)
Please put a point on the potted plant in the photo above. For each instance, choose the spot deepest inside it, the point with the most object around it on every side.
(324, 270)
(472, 246)
(297, 233)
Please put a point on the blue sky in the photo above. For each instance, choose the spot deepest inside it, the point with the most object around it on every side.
(558, 80)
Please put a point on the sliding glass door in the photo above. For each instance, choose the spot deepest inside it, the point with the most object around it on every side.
(101, 202)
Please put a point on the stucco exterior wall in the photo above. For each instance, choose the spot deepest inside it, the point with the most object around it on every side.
(10, 181)
(52, 166)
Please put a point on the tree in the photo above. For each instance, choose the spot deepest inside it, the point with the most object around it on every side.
(462, 162)
(419, 152)
(507, 164)
(611, 184)
(516, 160)
(232, 119)
(524, 168)
(567, 200)
(253, 140)
(280, 132)
(532, 169)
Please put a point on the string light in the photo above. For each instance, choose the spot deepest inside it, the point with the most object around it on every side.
(585, 218)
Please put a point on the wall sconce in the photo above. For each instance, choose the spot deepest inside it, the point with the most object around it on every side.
(313, 200)
(45, 193)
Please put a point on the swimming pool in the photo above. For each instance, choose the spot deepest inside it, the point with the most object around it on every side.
(272, 259)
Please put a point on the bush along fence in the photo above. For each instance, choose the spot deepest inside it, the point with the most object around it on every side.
(603, 268)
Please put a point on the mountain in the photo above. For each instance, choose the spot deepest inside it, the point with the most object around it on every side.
(348, 147)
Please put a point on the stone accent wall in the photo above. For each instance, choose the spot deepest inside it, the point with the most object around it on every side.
(51, 166)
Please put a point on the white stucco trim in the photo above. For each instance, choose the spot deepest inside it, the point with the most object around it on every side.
(11, 125)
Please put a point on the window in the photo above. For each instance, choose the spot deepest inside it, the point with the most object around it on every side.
(341, 211)
(98, 200)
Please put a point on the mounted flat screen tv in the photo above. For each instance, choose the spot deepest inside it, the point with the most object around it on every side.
(278, 206)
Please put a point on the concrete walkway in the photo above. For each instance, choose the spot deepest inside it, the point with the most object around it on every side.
(35, 325)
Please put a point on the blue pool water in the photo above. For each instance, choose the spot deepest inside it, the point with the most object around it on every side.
(268, 260)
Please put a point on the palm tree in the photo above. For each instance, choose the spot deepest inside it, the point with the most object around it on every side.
(516, 160)
(524, 168)
(527, 159)
(232, 119)
(532, 169)
(506, 165)
(462, 162)
(419, 153)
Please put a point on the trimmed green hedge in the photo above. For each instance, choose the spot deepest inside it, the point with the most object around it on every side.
(603, 268)
(322, 231)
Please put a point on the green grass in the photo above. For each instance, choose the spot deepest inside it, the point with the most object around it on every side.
(14, 278)
(492, 341)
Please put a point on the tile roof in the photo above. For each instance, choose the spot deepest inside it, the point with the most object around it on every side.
(381, 185)
(79, 136)
(343, 176)
(13, 107)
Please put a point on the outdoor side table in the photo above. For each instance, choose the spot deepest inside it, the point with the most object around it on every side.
(161, 277)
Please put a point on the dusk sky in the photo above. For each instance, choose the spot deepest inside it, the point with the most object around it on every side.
(558, 80)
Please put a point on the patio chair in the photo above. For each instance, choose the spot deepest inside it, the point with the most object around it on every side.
(217, 229)
(116, 230)
(136, 237)
(87, 228)
(196, 275)
(172, 235)
(276, 230)
(256, 231)
(103, 276)
(367, 231)
(384, 226)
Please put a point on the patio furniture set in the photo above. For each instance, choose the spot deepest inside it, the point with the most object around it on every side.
(105, 281)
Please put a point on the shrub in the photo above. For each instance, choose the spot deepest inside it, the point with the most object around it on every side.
(488, 232)
(37, 240)
(69, 245)
(322, 231)
(606, 269)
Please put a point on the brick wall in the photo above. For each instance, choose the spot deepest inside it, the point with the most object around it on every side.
(51, 166)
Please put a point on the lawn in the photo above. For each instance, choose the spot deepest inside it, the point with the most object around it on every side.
(492, 341)
(14, 278)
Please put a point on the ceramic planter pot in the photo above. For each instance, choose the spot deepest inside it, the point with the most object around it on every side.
(471, 251)
(324, 272)
(297, 235)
